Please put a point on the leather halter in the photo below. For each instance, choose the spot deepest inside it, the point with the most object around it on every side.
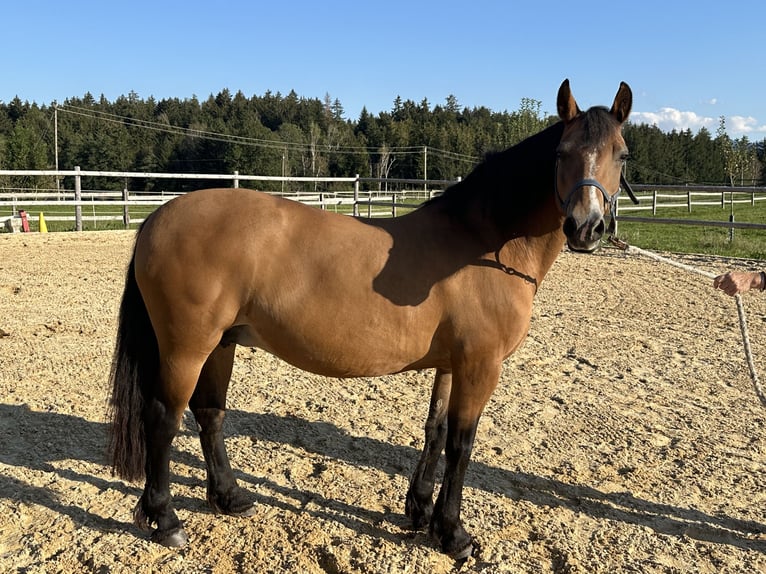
(610, 201)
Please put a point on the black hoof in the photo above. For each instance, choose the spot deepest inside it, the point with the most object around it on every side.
(465, 553)
(246, 511)
(235, 503)
(420, 515)
(175, 538)
(171, 537)
(459, 545)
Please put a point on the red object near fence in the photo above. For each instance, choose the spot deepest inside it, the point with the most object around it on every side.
(24, 221)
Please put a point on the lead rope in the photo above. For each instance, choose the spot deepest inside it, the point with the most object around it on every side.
(740, 307)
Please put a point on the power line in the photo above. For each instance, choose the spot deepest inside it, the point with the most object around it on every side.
(255, 142)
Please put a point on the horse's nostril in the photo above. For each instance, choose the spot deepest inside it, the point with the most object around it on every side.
(570, 227)
(598, 230)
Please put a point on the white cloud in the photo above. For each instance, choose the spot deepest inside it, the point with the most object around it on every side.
(744, 125)
(669, 119)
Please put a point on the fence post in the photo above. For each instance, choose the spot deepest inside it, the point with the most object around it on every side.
(393, 204)
(689, 200)
(654, 202)
(356, 196)
(78, 199)
(236, 178)
(125, 209)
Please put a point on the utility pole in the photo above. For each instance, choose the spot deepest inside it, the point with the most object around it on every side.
(56, 141)
(284, 164)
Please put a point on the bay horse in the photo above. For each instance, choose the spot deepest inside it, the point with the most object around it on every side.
(448, 286)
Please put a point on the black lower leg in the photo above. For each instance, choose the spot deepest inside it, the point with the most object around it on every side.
(419, 502)
(154, 506)
(446, 526)
(223, 493)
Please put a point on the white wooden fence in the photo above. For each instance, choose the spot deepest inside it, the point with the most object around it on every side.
(654, 198)
(381, 198)
(665, 196)
(383, 201)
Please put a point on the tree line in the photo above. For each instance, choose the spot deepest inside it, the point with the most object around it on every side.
(274, 134)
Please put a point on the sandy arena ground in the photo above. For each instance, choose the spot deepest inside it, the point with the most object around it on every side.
(625, 436)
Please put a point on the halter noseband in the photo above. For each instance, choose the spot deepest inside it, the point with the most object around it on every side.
(610, 201)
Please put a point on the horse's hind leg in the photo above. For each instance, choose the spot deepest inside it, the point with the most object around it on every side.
(419, 503)
(162, 418)
(208, 403)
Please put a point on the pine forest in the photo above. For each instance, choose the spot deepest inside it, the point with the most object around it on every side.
(290, 135)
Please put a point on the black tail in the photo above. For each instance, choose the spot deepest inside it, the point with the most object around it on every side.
(134, 368)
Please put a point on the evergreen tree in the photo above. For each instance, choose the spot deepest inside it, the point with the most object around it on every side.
(273, 134)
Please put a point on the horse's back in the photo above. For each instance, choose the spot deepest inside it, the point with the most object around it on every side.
(222, 215)
(272, 273)
(214, 227)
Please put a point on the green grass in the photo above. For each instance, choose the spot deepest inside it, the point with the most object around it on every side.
(746, 243)
(88, 224)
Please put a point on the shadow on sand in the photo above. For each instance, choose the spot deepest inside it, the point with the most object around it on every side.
(36, 440)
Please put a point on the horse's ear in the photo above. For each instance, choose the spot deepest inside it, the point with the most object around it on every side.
(623, 102)
(566, 104)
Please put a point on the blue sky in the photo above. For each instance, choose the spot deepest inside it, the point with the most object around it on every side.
(688, 63)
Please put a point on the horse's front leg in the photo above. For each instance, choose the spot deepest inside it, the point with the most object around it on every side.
(471, 388)
(419, 503)
(209, 407)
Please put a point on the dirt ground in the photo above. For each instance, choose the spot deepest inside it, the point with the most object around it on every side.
(625, 436)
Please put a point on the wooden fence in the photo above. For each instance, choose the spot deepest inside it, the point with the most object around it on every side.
(664, 196)
(364, 196)
(654, 198)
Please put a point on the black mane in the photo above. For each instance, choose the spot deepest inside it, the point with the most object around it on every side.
(510, 183)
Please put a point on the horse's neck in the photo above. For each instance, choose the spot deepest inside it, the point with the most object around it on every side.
(507, 208)
(533, 248)
(535, 239)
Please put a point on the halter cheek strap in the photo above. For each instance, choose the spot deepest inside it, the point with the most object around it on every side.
(626, 186)
(610, 201)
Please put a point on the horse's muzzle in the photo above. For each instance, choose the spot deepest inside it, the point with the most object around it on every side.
(584, 224)
(584, 237)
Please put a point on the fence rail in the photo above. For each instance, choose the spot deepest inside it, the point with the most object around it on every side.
(659, 197)
(390, 195)
(653, 198)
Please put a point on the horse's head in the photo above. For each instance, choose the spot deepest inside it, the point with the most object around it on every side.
(589, 164)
